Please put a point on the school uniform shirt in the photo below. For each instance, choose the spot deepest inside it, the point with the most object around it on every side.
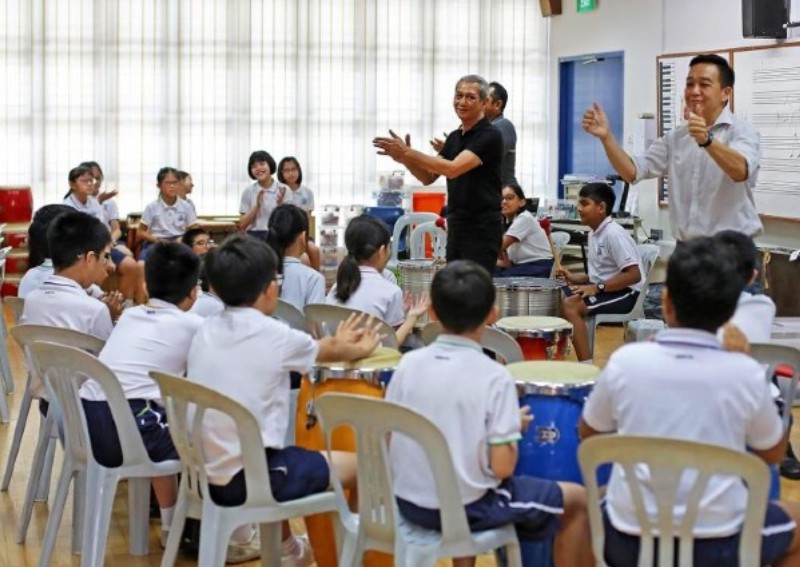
(92, 207)
(191, 204)
(207, 305)
(301, 285)
(247, 356)
(154, 336)
(610, 250)
(303, 197)
(168, 221)
(110, 211)
(62, 302)
(684, 386)
(533, 243)
(249, 197)
(470, 398)
(34, 278)
(375, 296)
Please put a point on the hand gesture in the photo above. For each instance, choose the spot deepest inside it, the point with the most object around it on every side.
(526, 417)
(281, 194)
(417, 306)
(114, 301)
(106, 195)
(395, 147)
(698, 128)
(361, 332)
(734, 340)
(260, 198)
(595, 122)
(564, 273)
(438, 143)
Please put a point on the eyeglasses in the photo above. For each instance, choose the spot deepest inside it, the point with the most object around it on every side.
(105, 257)
(87, 180)
(202, 242)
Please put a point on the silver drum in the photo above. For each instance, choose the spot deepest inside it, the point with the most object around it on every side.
(520, 296)
(416, 276)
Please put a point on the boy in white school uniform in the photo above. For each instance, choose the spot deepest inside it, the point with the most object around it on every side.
(615, 276)
(168, 217)
(684, 385)
(473, 401)
(79, 247)
(150, 337)
(247, 355)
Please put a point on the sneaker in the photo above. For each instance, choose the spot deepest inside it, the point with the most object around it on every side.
(304, 556)
(244, 552)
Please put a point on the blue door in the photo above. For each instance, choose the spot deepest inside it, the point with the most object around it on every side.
(583, 81)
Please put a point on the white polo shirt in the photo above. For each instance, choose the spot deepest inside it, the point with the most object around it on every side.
(168, 221)
(207, 305)
(301, 285)
(191, 204)
(34, 278)
(154, 336)
(376, 296)
(110, 211)
(684, 386)
(610, 250)
(62, 302)
(92, 207)
(247, 356)
(471, 399)
(303, 197)
(249, 196)
(532, 242)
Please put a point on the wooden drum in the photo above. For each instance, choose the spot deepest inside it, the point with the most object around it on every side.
(16, 204)
(15, 234)
(366, 377)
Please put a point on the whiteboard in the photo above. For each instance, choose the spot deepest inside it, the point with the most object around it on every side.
(768, 95)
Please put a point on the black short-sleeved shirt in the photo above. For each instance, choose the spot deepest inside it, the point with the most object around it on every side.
(478, 192)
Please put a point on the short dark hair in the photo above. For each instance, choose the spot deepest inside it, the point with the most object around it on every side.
(286, 222)
(500, 93)
(363, 237)
(743, 249)
(240, 269)
(726, 75)
(483, 86)
(286, 160)
(164, 171)
(182, 175)
(73, 234)
(79, 170)
(599, 192)
(94, 165)
(703, 283)
(189, 236)
(171, 271)
(38, 248)
(462, 294)
(260, 155)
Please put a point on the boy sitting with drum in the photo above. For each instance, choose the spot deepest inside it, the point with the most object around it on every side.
(684, 385)
(615, 277)
(473, 400)
(247, 355)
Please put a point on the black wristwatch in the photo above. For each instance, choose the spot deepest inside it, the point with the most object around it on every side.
(709, 139)
(601, 287)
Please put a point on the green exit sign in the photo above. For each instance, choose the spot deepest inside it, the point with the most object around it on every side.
(587, 5)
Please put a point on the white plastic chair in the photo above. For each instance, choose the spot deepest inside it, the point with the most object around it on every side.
(64, 369)
(194, 500)
(41, 467)
(649, 256)
(323, 320)
(773, 355)
(667, 459)
(417, 241)
(402, 223)
(378, 524)
(291, 315)
(500, 343)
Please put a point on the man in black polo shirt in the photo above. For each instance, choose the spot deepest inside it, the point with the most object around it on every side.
(471, 161)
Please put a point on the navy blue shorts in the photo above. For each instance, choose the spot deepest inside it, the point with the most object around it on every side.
(622, 550)
(612, 301)
(259, 234)
(117, 256)
(535, 269)
(151, 420)
(533, 505)
(294, 472)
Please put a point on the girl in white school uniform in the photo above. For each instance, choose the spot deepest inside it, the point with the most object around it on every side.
(291, 174)
(526, 249)
(288, 237)
(360, 284)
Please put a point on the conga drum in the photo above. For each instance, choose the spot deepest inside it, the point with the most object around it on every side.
(366, 377)
(540, 338)
(16, 204)
(416, 277)
(15, 234)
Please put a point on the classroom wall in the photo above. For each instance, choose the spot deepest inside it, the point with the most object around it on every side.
(644, 29)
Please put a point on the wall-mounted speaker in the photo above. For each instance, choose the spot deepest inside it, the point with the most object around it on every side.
(764, 18)
(550, 7)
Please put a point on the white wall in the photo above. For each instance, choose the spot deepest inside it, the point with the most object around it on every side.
(643, 29)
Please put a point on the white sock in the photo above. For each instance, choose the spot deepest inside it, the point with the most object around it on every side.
(243, 534)
(289, 546)
(587, 361)
(166, 517)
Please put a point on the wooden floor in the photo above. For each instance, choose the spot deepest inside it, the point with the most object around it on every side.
(14, 555)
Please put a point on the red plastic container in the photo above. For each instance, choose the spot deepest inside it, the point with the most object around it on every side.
(428, 202)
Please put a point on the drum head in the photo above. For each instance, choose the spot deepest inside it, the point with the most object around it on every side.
(530, 323)
(554, 372)
(382, 358)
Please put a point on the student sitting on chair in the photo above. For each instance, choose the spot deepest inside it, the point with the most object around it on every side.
(614, 279)
(526, 248)
(247, 355)
(198, 240)
(169, 216)
(150, 337)
(685, 386)
(360, 284)
(473, 400)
